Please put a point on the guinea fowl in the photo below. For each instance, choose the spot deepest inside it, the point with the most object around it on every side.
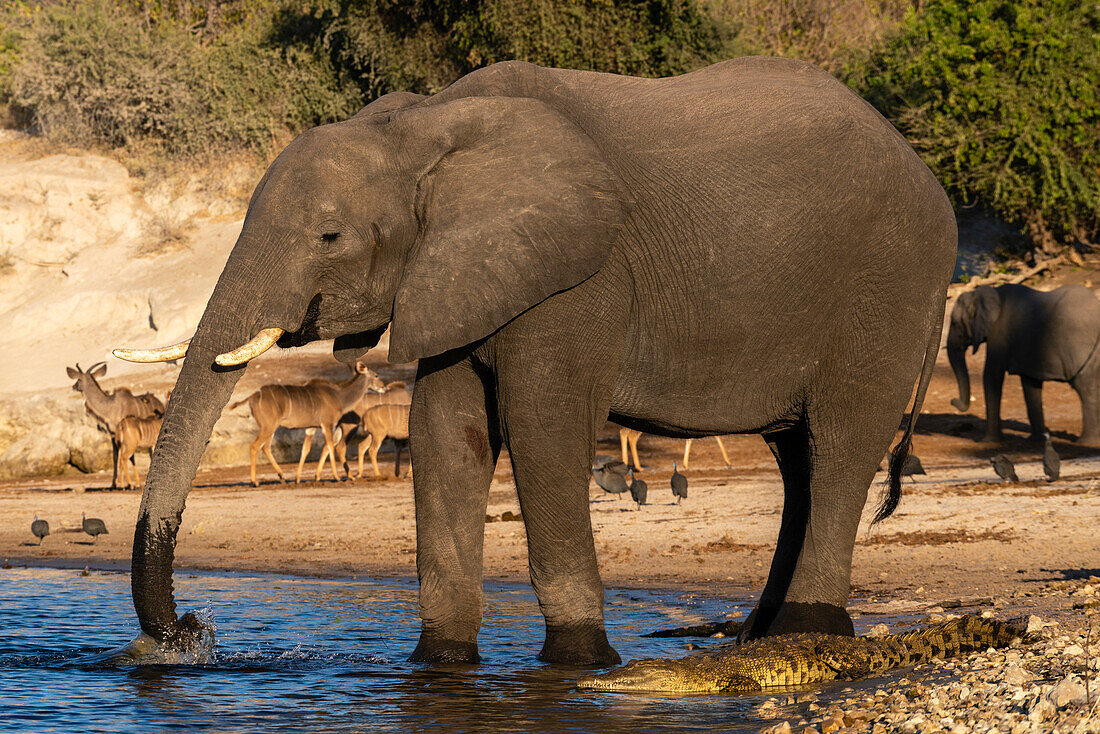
(679, 484)
(910, 466)
(40, 528)
(1052, 462)
(1004, 467)
(93, 526)
(609, 479)
(638, 489)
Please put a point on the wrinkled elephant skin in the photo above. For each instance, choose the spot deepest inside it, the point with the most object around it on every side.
(747, 248)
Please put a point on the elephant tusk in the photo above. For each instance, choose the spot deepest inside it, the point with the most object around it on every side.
(259, 344)
(164, 354)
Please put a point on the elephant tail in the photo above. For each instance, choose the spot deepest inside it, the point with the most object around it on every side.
(892, 492)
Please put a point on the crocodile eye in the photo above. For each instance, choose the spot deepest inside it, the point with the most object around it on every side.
(330, 236)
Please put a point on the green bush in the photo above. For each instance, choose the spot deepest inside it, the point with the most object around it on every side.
(199, 77)
(1002, 100)
(96, 72)
(422, 46)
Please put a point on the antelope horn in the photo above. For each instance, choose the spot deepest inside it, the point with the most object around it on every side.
(259, 344)
(164, 354)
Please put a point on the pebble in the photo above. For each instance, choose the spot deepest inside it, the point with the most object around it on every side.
(1021, 691)
(1067, 691)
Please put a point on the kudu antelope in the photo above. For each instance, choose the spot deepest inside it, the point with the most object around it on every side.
(629, 437)
(395, 393)
(133, 434)
(381, 421)
(110, 408)
(317, 404)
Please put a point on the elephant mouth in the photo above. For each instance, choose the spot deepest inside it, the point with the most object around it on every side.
(309, 331)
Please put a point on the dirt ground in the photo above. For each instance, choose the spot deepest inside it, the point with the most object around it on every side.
(959, 534)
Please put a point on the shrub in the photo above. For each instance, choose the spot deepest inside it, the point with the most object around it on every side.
(383, 45)
(826, 32)
(1002, 100)
(95, 72)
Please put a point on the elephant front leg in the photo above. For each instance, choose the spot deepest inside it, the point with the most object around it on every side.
(992, 382)
(454, 443)
(550, 432)
(1033, 399)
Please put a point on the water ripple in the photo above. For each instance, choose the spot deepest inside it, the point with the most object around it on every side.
(294, 655)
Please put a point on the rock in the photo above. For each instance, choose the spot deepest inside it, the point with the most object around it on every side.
(1034, 624)
(1042, 710)
(1066, 692)
(34, 455)
(781, 728)
(879, 630)
(1017, 676)
(1073, 650)
(830, 725)
(913, 725)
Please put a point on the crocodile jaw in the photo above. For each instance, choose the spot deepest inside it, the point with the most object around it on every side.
(663, 676)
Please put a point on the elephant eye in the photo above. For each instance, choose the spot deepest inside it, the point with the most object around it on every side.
(330, 236)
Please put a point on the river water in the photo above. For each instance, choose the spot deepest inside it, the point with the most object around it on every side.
(312, 655)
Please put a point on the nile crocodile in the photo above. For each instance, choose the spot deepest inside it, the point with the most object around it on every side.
(802, 659)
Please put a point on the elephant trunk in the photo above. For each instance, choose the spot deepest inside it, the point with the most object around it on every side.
(956, 355)
(201, 391)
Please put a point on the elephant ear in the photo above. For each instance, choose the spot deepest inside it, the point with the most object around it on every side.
(987, 309)
(516, 204)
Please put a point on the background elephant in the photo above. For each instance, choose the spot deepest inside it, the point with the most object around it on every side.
(1038, 335)
(748, 248)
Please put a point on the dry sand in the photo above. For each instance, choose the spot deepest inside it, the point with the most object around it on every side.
(958, 534)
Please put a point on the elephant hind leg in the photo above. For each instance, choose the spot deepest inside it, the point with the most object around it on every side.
(828, 461)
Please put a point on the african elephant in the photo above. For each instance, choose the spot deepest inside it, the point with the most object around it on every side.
(1038, 335)
(748, 248)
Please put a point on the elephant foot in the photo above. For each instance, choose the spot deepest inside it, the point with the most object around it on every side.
(580, 645)
(1089, 439)
(993, 438)
(795, 617)
(437, 651)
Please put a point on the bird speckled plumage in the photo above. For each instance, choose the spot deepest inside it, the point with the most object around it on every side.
(638, 489)
(609, 480)
(679, 484)
(805, 659)
(911, 466)
(40, 529)
(1052, 462)
(93, 526)
(1004, 467)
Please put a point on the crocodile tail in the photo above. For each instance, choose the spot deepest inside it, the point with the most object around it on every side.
(961, 635)
(891, 494)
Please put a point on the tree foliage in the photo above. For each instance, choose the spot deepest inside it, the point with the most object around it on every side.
(1002, 99)
(96, 72)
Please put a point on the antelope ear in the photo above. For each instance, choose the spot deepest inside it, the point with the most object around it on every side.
(73, 374)
(515, 204)
(99, 371)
